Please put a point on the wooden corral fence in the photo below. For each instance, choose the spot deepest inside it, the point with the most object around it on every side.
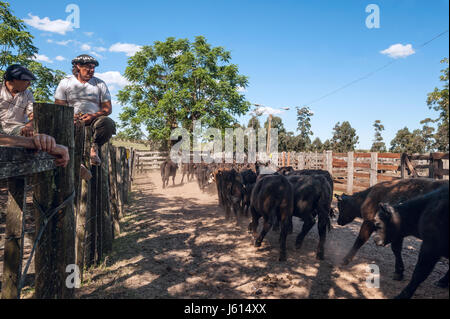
(76, 220)
(351, 171)
(354, 171)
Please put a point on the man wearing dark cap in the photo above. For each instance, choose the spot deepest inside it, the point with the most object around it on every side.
(16, 101)
(91, 99)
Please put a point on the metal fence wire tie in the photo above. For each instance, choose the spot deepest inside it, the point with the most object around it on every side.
(48, 215)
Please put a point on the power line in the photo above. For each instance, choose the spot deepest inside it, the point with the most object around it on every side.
(372, 72)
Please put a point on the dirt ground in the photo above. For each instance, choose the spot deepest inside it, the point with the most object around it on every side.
(176, 243)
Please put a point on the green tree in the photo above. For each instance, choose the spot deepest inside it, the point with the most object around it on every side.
(317, 145)
(378, 144)
(254, 123)
(304, 115)
(438, 100)
(175, 83)
(428, 135)
(16, 46)
(277, 123)
(344, 137)
(408, 142)
(327, 145)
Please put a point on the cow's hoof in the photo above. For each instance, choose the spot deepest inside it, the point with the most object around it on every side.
(397, 276)
(282, 258)
(257, 243)
(298, 245)
(320, 256)
(441, 284)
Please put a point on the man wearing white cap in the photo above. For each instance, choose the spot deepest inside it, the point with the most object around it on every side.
(91, 99)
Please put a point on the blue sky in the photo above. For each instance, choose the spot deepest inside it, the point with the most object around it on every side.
(293, 52)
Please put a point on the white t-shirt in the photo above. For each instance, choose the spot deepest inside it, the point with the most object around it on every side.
(14, 111)
(84, 97)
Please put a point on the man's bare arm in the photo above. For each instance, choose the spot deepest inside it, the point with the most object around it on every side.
(41, 142)
(105, 110)
(60, 102)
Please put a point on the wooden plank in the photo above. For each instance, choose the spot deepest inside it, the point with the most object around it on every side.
(382, 178)
(16, 161)
(362, 175)
(362, 155)
(350, 166)
(361, 165)
(440, 156)
(384, 167)
(13, 252)
(389, 155)
(441, 171)
(340, 154)
(340, 187)
(420, 157)
(56, 248)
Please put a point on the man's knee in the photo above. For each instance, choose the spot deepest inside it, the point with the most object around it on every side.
(103, 129)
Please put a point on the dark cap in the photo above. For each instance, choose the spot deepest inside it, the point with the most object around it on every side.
(18, 72)
(85, 59)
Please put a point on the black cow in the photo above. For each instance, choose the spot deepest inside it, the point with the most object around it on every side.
(314, 172)
(232, 193)
(365, 205)
(424, 217)
(312, 197)
(189, 170)
(168, 168)
(285, 170)
(248, 182)
(272, 199)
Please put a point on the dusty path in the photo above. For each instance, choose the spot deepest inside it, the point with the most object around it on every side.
(176, 244)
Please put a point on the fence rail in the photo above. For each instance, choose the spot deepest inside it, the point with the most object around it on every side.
(79, 233)
(352, 171)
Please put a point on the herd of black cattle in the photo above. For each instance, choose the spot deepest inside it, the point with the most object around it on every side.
(393, 210)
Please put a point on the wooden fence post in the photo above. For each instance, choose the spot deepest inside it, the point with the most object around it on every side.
(56, 249)
(120, 181)
(13, 252)
(373, 168)
(329, 161)
(113, 190)
(301, 160)
(106, 235)
(126, 175)
(350, 157)
(84, 208)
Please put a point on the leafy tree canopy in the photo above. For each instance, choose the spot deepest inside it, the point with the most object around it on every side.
(176, 82)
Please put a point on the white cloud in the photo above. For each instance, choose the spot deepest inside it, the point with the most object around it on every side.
(45, 24)
(398, 50)
(89, 34)
(241, 89)
(128, 48)
(113, 79)
(60, 58)
(64, 43)
(265, 110)
(85, 47)
(42, 58)
(96, 54)
(100, 49)
(49, 40)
